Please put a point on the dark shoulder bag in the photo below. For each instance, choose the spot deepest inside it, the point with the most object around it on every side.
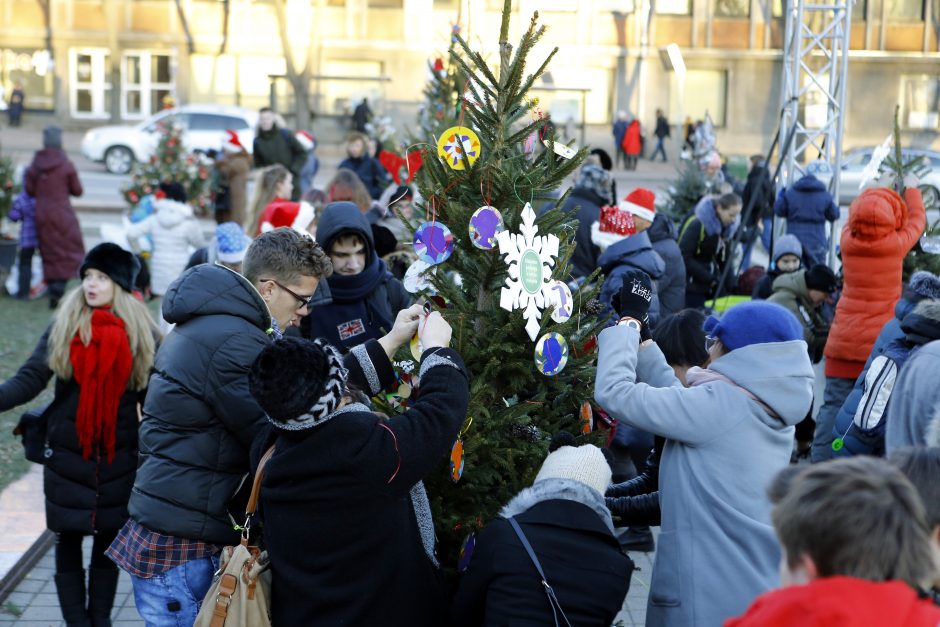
(552, 599)
(32, 428)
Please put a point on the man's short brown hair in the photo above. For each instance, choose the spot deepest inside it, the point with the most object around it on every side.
(921, 466)
(285, 255)
(858, 517)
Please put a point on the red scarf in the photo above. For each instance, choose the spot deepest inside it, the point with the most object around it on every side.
(102, 370)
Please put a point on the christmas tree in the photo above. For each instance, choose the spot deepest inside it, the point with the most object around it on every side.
(526, 339)
(685, 192)
(443, 92)
(171, 163)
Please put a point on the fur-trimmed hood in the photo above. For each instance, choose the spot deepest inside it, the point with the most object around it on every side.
(707, 213)
(559, 489)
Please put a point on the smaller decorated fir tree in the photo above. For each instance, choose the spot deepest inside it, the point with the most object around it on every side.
(442, 94)
(171, 163)
(685, 192)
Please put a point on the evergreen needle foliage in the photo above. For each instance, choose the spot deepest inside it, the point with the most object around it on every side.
(442, 93)
(508, 395)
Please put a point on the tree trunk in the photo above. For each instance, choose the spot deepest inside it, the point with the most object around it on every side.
(225, 15)
(190, 46)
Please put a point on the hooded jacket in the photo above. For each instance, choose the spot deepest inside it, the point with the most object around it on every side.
(722, 449)
(571, 532)
(863, 432)
(350, 310)
(807, 205)
(790, 291)
(175, 232)
(372, 174)
(631, 253)
(914, 416)
(842, 601)
(280, 146)
(588, 205)
(51, 179)
(199, 419)
(880, 231)
(671, 285)
(703, 241)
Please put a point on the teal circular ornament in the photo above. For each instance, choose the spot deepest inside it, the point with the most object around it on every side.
(531, 272)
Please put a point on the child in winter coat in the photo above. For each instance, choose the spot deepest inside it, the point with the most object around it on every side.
(564, 519)
(807, 206)
(100, 349)
(727, 435)
(23, 210)
(881, 229)
(856, 550)
(364, 554)
(175, 233)
(787, 257)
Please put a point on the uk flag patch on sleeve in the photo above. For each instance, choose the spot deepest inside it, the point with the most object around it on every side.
(351, 328)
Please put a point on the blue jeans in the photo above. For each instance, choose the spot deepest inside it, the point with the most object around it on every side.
(173, 598)
(833, 398)
(660, 149)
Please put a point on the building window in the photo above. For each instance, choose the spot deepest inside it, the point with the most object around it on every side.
(705, 91)
(146, 80)
(920, 97)
(905, 10)
(732, 8)
(89, 91)
(30, 68)
(674, 7)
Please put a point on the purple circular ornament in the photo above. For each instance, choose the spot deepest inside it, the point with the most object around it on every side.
(433, 243)
(485, 224)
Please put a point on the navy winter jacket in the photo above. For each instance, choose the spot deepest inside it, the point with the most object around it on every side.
(631, 253)
(370, 172)
(588, 206)
(671, 286)
(807, 206)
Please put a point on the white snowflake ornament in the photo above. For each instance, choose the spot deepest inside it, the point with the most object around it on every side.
(530, 258)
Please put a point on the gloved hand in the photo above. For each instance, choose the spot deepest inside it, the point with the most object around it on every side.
(635, 296)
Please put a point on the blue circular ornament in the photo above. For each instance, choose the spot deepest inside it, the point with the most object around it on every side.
(433, 243)
(551, 354)
(485, 224)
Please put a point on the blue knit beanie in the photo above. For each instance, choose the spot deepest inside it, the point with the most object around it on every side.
(755, 322)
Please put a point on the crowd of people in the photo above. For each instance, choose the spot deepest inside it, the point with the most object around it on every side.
(274, 336)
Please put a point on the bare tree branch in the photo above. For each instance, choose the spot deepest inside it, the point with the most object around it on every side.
(190, 46)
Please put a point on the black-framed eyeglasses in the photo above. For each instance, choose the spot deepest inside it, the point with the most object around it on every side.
(303, 300)
(709, 342)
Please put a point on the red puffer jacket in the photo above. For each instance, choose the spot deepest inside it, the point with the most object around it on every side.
(880, 231)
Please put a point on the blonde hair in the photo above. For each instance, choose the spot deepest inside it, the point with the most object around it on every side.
(74, 316)
(268, 181)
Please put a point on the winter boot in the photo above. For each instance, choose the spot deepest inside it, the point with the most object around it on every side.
(102, 584)
(71, 590)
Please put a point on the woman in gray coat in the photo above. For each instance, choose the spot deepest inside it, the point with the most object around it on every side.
(728, 434)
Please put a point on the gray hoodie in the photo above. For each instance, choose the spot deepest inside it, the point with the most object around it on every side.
(717, 551)
(914, 411)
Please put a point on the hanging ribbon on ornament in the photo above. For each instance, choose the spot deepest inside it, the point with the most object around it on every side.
(457, 452)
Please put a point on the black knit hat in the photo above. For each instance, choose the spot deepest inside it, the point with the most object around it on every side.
(821, 277)
(299, 383)
(120, 266)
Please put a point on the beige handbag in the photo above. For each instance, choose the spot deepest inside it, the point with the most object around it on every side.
(240, 594)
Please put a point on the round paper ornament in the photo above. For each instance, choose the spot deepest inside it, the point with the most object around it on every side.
(433, 243)
(561, 300)
(466, 552)
(415, 278)
(485, 224)
(551, 354)
(415, 347)
(454, 137)
(456, 461)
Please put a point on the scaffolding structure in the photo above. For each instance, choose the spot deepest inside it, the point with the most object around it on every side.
(815, 71)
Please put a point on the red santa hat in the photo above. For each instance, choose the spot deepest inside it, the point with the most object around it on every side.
(296, 215)
(306, 140)
(232, 143)
(641, 203)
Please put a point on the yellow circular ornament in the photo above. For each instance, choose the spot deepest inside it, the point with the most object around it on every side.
(454, 138)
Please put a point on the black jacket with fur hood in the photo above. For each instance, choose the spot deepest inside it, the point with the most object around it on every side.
(570, 530)
(347, 523)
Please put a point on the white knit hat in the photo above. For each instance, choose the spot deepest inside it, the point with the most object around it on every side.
(585, 464)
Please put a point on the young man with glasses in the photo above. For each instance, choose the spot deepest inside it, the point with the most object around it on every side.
(199, 419)
(360, 300)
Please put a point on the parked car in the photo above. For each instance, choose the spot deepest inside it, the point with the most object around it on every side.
(854, 162)
(204, 129)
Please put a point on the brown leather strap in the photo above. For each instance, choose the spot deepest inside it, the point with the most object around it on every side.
(227, 585)
(256, 486)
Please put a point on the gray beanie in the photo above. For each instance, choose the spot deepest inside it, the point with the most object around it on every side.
(596, 179)
(52, 137)
(787, 245)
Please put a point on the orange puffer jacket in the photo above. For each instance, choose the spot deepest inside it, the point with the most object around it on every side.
(880, 231)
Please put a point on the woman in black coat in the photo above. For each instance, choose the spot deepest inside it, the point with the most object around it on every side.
(565, 520)
(100, 349)
(347, 523)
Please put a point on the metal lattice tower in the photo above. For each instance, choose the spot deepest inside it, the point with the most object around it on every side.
(815, 70)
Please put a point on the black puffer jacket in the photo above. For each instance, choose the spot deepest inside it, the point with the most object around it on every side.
(671, 286)
(636, 501)
(82, 495)
(587, 206)
(199, 419)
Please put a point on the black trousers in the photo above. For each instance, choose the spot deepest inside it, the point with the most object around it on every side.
(68, 551)
(26, 272)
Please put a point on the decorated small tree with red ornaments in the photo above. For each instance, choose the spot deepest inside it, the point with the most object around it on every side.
(171, 163)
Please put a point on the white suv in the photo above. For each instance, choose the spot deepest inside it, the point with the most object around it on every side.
(204, 129)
